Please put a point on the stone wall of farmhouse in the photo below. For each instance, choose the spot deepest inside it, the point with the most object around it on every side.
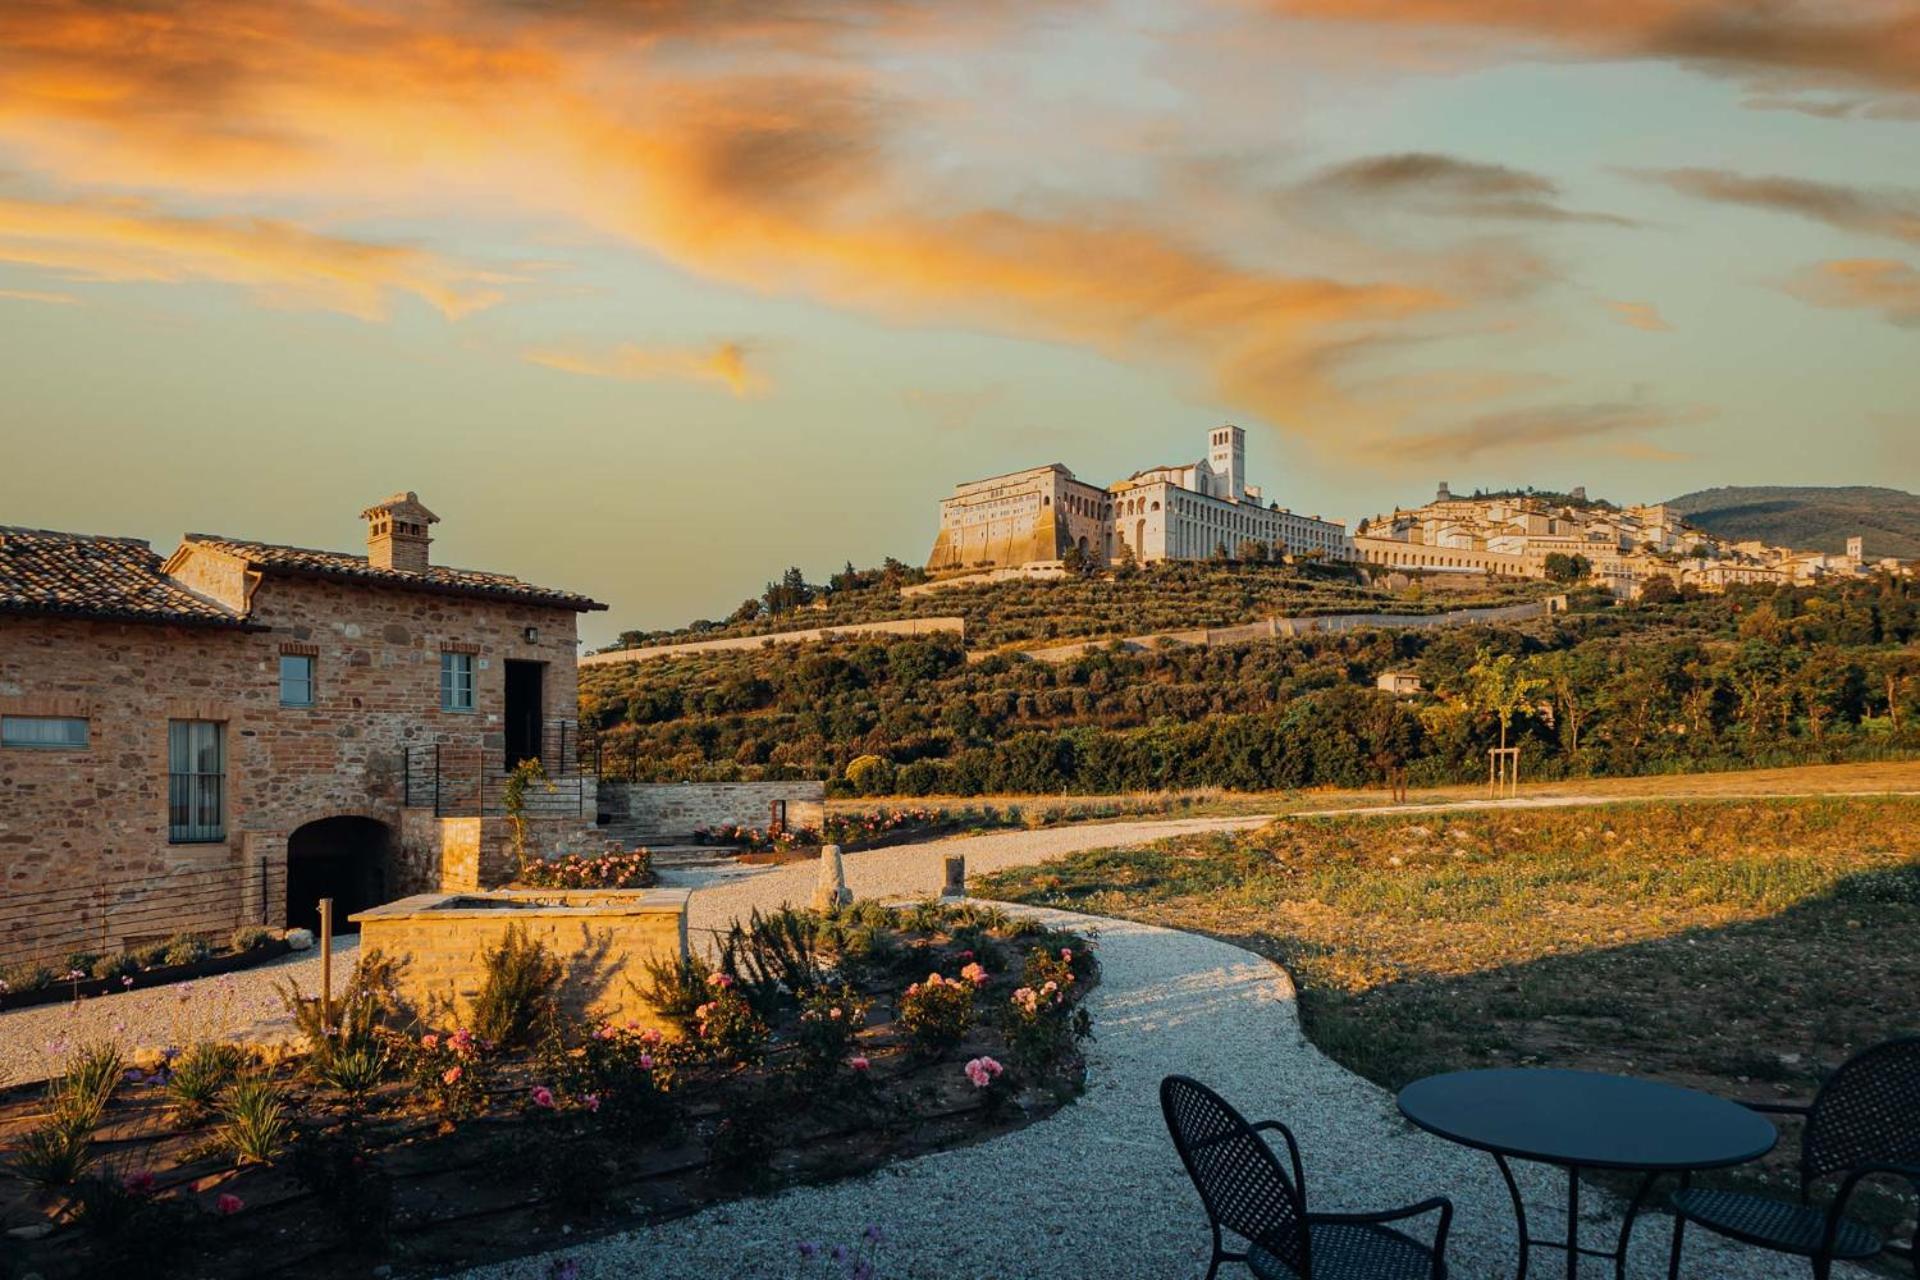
(85, 859)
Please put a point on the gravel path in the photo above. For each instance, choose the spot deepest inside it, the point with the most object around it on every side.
(241, 1005)
(1097, 1190)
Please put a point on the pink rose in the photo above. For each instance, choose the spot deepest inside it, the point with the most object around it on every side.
(975, 974)
(429, 1041)
(229, 1204)
(450, 1075)
(591, 1102)
(858, 1064)
(542, 1096)
(983, 1072)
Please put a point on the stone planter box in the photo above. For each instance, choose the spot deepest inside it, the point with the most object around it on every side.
(603, 937)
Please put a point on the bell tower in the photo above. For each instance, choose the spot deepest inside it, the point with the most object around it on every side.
(397, 533)
(1227, 459)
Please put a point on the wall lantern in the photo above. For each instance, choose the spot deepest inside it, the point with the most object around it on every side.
(533, 635)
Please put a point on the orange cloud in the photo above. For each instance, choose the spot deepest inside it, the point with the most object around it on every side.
(725, 363)
(1872, 284)
(38, 295)
(1894, 214)
(1639, 315)
(790, 184)
(1807, 41)
(1548, 426)
(128, 240)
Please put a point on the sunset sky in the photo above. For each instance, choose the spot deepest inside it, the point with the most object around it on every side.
(651, 299)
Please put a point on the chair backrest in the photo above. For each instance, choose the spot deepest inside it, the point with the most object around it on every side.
(1868, 1113)
(1242, 1183)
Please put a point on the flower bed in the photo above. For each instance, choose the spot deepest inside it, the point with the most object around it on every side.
(854, 830)
(630, 870)
(801, 1054)
(179, 958)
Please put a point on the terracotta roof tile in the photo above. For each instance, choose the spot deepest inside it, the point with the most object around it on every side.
(339, 565)
(89, 576)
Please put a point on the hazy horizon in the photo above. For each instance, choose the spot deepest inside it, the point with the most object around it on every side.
(652, 301)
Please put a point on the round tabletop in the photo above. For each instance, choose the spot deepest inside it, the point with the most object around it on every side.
(1587, 1118)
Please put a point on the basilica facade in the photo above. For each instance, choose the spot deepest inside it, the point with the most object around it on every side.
(1191, 511)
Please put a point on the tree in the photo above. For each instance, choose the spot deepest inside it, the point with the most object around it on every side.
(1561, 567)
(1251, 550)
(1501, 686)
(1076, 561)
(1568, 677)
(1220, 551)
(747, 612)
(1659, 589)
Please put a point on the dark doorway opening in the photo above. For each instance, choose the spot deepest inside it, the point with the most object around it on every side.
(340, 858)
(524, 680)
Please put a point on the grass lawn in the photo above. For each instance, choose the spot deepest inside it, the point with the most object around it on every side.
(1744, 947)
(1215, 802)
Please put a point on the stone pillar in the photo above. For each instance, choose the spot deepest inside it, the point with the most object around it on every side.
(831, 890)
(956, 885)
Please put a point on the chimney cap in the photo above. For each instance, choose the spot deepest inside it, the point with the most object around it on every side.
(405, 506)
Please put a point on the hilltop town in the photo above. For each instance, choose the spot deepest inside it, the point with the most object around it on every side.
(1044, 522)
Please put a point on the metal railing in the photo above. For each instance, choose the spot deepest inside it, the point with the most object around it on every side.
(468, 778)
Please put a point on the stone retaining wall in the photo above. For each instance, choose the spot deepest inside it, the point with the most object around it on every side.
(603, 937)
(897, 627)
(675, 809)
(1274, 627)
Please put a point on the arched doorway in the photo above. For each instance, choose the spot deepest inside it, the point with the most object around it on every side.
(342, 858)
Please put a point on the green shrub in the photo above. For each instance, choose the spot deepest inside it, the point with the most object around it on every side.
(726, 1026)
(187, 948)
(254, 1123)
(675, 988)
(829, 1027)
(356, 1072)
(774, 955)
(25, 977)
(452, 1069)
(87, 1084)
(938, 1012)
(520, 992)
(53, 1154)
(80, 962)
(249, 936)
(359, 1013)
(118, 965)
(197, 1077)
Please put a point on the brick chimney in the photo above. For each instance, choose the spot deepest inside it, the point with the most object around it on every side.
(397, 533)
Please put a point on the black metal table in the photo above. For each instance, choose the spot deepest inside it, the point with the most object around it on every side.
(1585, 1120)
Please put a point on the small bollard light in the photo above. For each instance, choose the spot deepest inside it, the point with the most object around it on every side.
(956, 885)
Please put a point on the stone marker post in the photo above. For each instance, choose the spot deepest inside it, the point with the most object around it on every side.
(831, 890)
(956, 885)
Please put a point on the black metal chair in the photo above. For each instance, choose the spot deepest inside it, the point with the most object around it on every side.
(1864, 1122)
(1248, 1192)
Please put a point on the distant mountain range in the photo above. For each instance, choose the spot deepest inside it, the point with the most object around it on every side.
(1810, 518)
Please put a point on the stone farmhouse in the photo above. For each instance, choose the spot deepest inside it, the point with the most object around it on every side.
(1036, 517)
(227, 735)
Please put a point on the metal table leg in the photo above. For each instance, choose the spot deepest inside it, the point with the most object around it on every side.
(1573, 1222)
(1519, 1213)
(1626, 1227)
